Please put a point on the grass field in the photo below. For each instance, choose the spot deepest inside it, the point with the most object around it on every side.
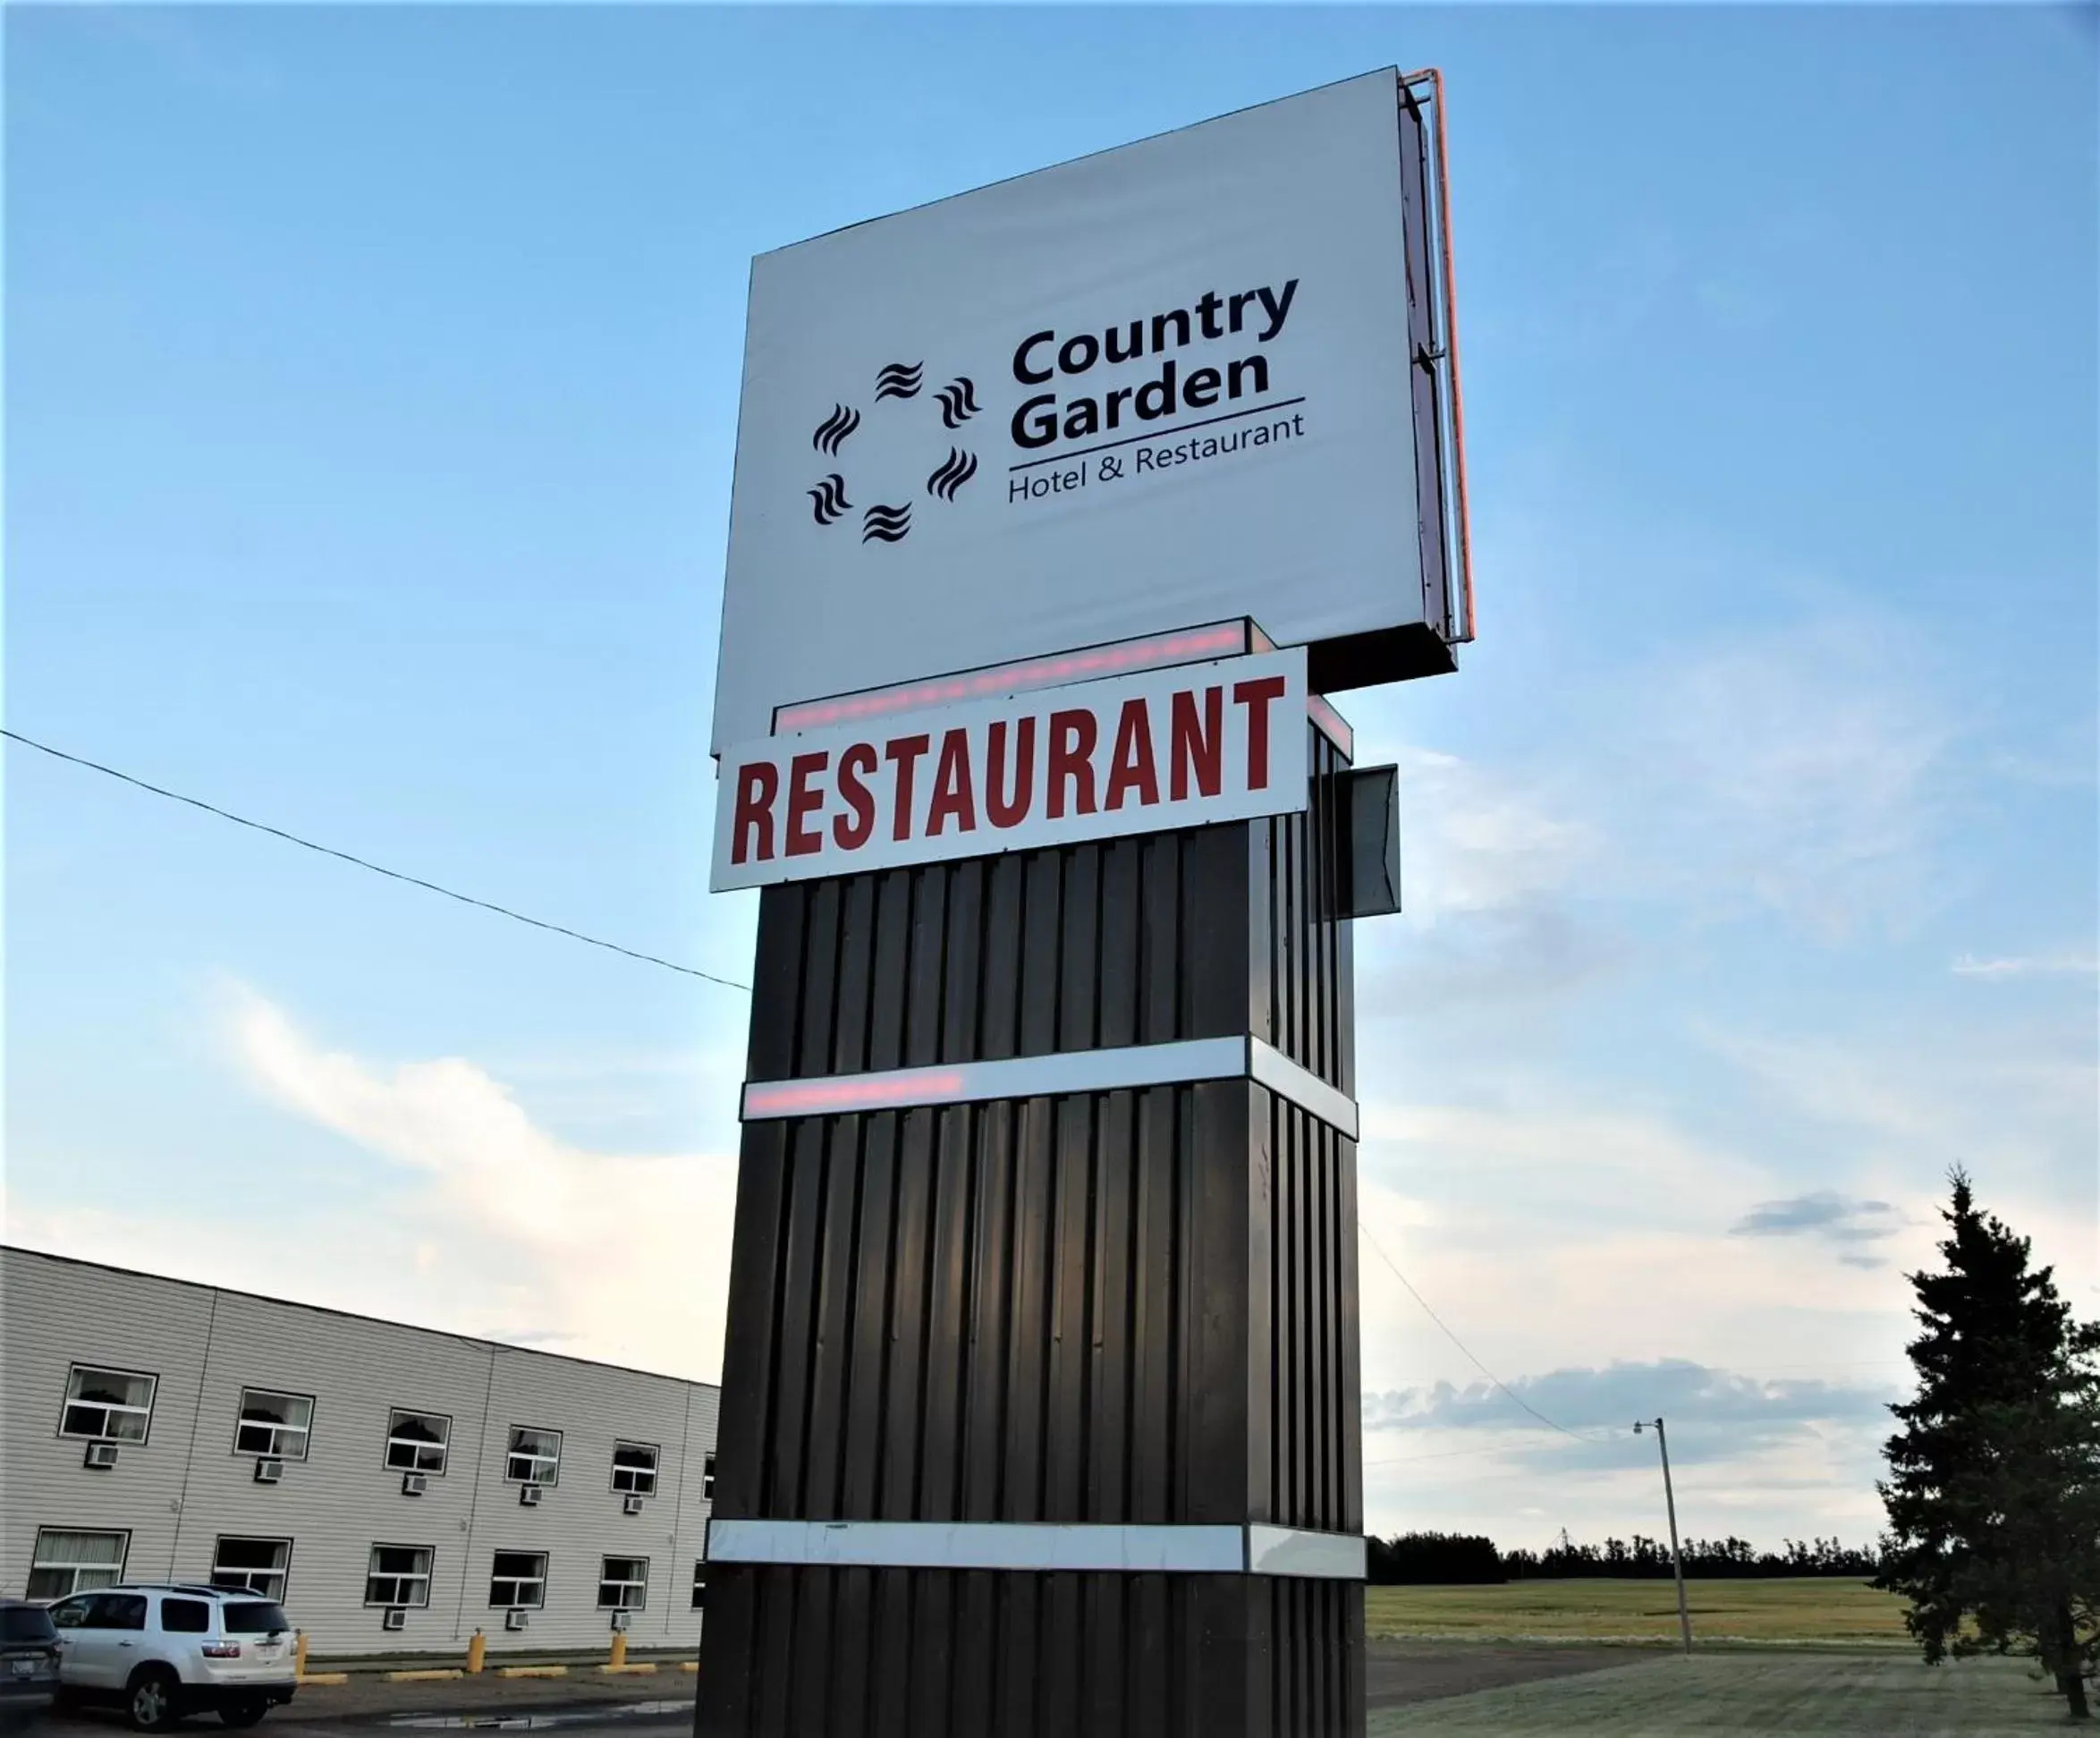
(1844, 1612)
(1804, 1695)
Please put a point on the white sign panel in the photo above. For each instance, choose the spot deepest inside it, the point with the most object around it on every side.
(1182, 747)
(1166, 384)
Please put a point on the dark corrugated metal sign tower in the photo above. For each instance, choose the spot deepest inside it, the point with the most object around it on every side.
(1117, 1324)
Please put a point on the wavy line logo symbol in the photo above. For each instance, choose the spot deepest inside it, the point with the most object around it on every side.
(888, 524)
(898, 380)
(957, 470)
(832, 432)
(830, 497)
(893, 456)
(958, 401)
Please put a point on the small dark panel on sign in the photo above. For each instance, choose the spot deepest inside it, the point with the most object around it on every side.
(1367, 660)
(1374, 841)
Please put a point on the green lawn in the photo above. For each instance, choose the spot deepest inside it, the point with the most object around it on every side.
(1801, 1694)
(1847, 1612)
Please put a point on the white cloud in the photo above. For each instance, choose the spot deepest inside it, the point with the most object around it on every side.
(469, 1217)
(2028, 965)
(1805, 772)
(1475, 840)
(609, 1255)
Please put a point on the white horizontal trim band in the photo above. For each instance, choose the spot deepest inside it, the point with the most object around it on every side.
(1270, 1067)
(1214, 1550)
(1054, 1076)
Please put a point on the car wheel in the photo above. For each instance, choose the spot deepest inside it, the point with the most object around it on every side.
(244, 1711)
(150, 1699)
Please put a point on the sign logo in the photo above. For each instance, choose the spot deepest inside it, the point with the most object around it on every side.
(883, 521)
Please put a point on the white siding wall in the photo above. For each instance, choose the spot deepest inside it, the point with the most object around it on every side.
(182, 1489)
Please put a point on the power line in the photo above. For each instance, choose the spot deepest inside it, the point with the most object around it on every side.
(360, 863)
(1573, 1435)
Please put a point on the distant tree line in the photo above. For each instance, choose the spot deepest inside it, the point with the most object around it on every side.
(1449, 1559)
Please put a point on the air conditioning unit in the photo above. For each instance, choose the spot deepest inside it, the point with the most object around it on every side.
(414, 1484)
(268, 1472)
(516, 1620)
(396, 1618)
(632, 1503)
(100, 1455)
(619, 1620)
(528, 1495)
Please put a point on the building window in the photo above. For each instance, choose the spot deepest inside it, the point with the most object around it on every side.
(398, 1575)
(623, 1584)
(700, 1585)
(708, 1479)
(535, 1456)
(67, 1562)
(274, 1424)
(634, 1468)
(416, 1441)
(260, 1567)
(107, 1405)
(518, 1581)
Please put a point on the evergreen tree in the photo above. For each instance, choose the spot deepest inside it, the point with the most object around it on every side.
(1993, 1487)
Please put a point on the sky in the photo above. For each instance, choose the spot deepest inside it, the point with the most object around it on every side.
(370, 398)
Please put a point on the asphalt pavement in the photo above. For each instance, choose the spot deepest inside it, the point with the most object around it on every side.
(1397, 1673)
(655, 1719)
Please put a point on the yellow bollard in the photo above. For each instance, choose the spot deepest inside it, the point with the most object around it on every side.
(477, 1651)
(299, 1662)
(619, 1649)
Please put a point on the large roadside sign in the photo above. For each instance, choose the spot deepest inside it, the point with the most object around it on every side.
(1176, 382)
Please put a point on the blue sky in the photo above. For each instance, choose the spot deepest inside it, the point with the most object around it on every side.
(371, 397)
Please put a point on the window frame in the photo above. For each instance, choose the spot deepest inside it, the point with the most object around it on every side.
(655, 1471)
(443, 1448)
(512, 1452)
(542, 1558)
(640, 1587)
(37, 1566)
(66, 1404)
(191, 1606)
(241, 1422)
(283, 1575)
(373, 1573)
(139, 1604)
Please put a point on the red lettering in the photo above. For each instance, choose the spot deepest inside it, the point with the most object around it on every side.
(802, 802)
(755, 787)
(1257, 696)
(854, 765)
(1199, 745)
(1071, 757)
(1002, 812)
(905, 751)
(1131, 763)
(953, 797)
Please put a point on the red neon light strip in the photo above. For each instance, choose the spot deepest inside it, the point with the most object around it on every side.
(1333, 722)
(800, 1097)
(1181, 648)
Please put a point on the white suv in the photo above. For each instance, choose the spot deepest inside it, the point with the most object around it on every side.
(162, 1651)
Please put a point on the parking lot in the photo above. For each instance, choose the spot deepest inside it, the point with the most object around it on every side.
(1397, 1675)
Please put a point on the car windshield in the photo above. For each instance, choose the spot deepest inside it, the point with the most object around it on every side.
(254, 1617)
(25, 1624)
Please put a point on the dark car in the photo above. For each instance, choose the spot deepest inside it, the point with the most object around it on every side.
(29, 1662)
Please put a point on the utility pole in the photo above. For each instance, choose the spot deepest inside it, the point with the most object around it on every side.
(1670, 1501)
